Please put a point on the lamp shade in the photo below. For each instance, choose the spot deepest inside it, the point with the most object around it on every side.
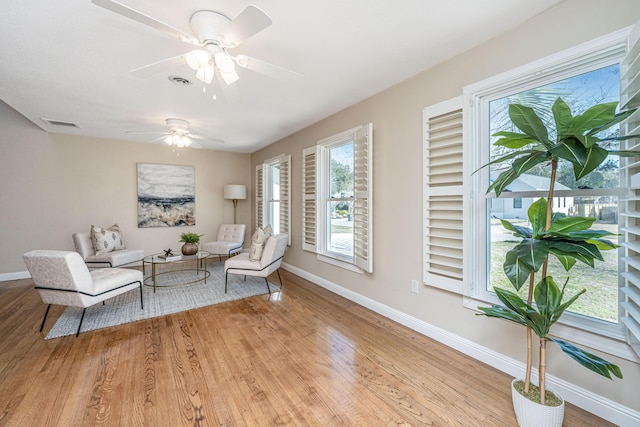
(235, 192)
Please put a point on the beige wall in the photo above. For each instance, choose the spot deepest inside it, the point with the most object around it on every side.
(396, 115)
(53, 185)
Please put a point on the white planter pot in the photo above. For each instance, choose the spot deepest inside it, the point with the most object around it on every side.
(532, 414)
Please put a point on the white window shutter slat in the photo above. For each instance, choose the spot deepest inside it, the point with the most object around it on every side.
(443, 196)
(285, 195)
(630, 205)
(309, 198)
(363, 190)
(259, 195)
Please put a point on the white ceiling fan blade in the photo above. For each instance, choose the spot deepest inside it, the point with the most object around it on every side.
(269, 70)
(205, 138)
(164, 65)
(251, 21)
(130, 13)
(144, 132)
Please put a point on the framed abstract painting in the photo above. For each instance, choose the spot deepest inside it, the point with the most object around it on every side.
(166, 195)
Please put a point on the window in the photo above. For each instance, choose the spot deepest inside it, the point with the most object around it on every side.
(337, 199)
(583, 76)
(272, 194)
(517, 203)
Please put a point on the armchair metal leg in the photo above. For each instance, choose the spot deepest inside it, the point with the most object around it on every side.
(141, 301)
(268, 287)
(46, 313)
(280, 278)
(81, 319)
(226, 278)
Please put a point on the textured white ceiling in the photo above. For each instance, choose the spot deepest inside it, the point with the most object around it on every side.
(69, 60)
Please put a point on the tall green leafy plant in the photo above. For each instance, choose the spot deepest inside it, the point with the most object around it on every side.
(552, 234)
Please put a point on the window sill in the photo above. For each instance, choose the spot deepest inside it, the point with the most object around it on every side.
(341, 264)
(609, 345)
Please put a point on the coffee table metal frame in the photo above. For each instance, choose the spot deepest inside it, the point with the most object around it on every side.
(155, 260)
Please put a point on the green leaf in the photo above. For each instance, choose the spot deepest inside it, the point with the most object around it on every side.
(537, 214)
(506, 157)
(563, 117)
(501, 182)
(513, 140)
(589, 360)
(560, 309)
(518, 230)
(625, 153)
(595, 155)
(547, 296)
(570, 223)
(584, 160)
(501, 312)
(528, 122)
(525, 163)
(567, 261)
(575, 248)
(619, 117)
(532, 252)
(516, 271)
(594, 117)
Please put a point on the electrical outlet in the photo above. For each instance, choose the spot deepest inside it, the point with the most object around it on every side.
(414, 286)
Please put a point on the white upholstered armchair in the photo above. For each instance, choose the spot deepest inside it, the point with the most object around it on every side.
(268, 263)
(229, 240)
(63, 278)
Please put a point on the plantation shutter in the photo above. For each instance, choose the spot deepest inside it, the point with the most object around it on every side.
(285, 195)
(630, 206)
(309, 192)
(443, 196)
(259, 195)
(362, 212)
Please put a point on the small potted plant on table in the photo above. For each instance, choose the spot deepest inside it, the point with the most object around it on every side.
(191, 241)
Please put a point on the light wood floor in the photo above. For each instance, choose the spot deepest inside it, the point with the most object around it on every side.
(302, 357)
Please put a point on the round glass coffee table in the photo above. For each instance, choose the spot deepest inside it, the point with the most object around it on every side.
(172, 267)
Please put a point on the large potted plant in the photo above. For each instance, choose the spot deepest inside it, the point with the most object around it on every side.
(579, 141)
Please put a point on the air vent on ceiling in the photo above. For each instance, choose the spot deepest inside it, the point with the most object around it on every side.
(53, 122)
(181, 81)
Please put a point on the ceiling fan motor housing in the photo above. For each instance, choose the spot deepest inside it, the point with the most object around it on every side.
(207, 26)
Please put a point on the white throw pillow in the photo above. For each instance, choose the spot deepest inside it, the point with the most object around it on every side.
(258, 240)
(106, 240)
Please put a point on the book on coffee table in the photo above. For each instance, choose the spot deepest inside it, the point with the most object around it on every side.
(170, 257)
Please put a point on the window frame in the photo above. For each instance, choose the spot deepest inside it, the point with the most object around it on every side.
(265, 199)
(316, 194)
(583, 58)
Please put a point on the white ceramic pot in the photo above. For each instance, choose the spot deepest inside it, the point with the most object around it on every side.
(532, 414)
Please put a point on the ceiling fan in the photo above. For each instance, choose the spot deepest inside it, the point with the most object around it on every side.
(215, 34)
(178, 135)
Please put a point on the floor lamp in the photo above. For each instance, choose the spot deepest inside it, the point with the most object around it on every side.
(235, 193)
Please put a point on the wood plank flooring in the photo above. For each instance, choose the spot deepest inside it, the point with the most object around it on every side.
(304, 357)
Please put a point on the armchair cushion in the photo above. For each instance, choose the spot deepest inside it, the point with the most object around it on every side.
(115, 258)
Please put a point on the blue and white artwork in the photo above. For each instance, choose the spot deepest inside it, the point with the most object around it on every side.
(166, 195)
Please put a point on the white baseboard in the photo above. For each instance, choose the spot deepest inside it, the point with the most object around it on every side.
(585, 399)
(5, 277)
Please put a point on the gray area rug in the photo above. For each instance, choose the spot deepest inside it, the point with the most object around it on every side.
(168, 299)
